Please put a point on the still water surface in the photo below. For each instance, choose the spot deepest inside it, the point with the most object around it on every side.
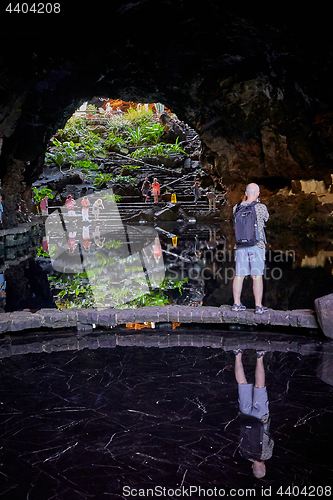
(98, 423)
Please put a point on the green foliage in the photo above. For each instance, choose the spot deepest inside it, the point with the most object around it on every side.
(158, 150)
(41, 253)
(104, 179)
(137, 137)
(75, 290)
(139, 118)
(154, 133)
(65, 153)
(92, 108)
(74, 129)
(86, 165)
(39, 194)
(117, 125)
(147, 134)
(113, 141)
(124, 179)
(113, 198)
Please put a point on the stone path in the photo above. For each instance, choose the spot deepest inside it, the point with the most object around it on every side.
(87, 319)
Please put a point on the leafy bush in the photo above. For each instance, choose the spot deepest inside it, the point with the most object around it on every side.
(104, 179)
(40, 194)
(74, 129)
(158, 150)
(113, 141)
(139, 118)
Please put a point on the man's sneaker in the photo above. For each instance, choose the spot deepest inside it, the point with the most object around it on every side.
(239, 307)
(261, 309)
(260, 354)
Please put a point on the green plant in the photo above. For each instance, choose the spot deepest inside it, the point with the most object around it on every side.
(75, 290)
(154, 133)
(158, 150)
(136, 117)
(124, 179)
(102, 179)
(112, 197)
(65, 153)
(113, 141)
(85, 165)
(92, 108)
(92, 146)
(41, 253)
(39, 194)
(74, 129)
(137, 136)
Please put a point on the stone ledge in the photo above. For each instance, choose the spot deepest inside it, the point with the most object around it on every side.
(87, 319)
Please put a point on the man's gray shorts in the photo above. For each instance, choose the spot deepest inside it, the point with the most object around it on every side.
(253, 400)
(250, 260)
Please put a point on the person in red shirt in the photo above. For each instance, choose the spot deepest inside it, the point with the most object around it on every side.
(156, 190)
(70, 203)
(85, 208)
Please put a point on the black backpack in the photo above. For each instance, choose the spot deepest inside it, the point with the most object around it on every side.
(245, 223)
(250, 437)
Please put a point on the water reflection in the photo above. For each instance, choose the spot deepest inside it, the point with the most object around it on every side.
(98, 260)
(92, 422)
(255, 443)
(120, 263)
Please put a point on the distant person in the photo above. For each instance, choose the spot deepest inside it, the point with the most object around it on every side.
(44, 206)
(146, 186)
(96, 208)
(196, 191)
(255, 444)
(212, 200)
(156, 190)
(70, 204)
(249, 218)
(85, 208)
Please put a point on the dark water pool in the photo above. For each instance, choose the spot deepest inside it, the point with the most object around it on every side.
(115, 423)
(107, 263)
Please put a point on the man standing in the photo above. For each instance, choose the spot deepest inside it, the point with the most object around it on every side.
(250, 216)
(212, 200)
(145, 188)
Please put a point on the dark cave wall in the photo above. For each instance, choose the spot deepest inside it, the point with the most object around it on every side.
(255, 85)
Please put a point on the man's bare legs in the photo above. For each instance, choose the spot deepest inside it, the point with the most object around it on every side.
(257, 289)
(259, 373)
(239, 370)
(237, 286)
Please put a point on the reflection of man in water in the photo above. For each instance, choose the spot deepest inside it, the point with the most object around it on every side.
(255, 443)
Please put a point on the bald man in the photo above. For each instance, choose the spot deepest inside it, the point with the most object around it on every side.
(251, 260)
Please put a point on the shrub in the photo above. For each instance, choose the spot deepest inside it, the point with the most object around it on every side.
(139, 118)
